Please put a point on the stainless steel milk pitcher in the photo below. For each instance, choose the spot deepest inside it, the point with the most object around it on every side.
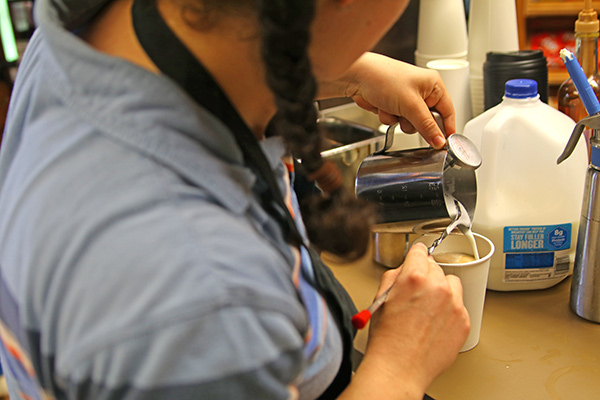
(414, 187)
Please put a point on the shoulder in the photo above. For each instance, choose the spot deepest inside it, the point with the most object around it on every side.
(182, 282)
(233, 352)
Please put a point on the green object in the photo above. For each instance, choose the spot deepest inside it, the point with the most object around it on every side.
(9, 44)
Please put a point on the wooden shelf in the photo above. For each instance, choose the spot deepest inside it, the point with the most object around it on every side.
(541, 8)
(552, 14)
(557, 76)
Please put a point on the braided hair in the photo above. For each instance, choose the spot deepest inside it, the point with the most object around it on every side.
(336, 220)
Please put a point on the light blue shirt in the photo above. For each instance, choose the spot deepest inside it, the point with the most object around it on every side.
(135, 262)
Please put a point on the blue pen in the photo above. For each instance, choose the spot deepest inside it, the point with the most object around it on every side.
(586, 93)
(592, 106)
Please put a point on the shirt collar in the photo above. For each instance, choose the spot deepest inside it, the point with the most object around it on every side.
(176, 131)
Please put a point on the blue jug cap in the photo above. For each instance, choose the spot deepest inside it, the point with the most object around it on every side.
(521, 89)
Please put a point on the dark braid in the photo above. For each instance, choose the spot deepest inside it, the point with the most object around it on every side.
(336, 221)
(289, 74)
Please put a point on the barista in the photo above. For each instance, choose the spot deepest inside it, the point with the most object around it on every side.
(151, 246)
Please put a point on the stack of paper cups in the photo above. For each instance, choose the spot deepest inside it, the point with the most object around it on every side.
(492, 27)
(455, 74)
(442, 31)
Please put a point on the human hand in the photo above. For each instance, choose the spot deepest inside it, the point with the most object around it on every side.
(401, 92)
(419, 330)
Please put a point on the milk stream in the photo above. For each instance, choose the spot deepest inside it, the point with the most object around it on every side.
(465, 228)
(469, 234)
(452, 257)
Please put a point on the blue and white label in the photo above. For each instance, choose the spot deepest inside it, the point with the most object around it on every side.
(536, 253)
(523, 239)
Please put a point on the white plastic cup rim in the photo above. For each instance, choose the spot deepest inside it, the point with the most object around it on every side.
(447, 64)
(462, 54)
(481, 260)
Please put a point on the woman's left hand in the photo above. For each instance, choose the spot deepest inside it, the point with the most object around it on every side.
(398, 92)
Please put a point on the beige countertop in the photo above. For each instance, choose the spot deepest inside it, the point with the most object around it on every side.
(531, 346)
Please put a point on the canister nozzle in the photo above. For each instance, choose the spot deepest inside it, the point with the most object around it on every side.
(592, 122)
(588, 98)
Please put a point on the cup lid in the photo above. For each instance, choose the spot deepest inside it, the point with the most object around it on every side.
(521, 88)
(514, 56)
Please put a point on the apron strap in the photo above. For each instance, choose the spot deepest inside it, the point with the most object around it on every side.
(173, 59)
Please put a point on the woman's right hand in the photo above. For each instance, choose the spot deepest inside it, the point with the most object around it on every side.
(417, 333)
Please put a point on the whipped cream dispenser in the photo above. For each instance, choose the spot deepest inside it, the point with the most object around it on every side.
(585, 286)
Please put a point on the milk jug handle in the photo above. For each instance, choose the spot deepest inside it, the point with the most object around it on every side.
(389, 134)
(592, 122)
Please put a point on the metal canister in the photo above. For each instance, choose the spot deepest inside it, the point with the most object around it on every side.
(585, 285)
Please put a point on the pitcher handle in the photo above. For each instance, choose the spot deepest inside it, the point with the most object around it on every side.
(389, 133)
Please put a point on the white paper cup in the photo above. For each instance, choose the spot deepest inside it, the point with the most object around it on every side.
(421, 59)
(492, 27)
(477, 94)
(455, 74)
(442, 28)
(473, 276)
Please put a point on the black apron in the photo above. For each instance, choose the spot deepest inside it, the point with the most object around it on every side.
(173, 59)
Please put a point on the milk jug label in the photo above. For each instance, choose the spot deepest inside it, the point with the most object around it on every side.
(533, 253)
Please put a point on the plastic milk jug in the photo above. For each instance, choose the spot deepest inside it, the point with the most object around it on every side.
(527, 204)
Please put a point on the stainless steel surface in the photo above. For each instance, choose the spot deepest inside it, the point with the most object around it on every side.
(347, 143)
(412, 185)
(592, 122)
(389, 138)
(585, 285)
(390, 132)
(353, 113)
(390, 248)
(390, 242)
(420, 184)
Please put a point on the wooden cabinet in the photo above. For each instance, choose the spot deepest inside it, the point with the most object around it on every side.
(535, 16)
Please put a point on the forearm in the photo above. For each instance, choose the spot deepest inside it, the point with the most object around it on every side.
(373, 380)
(397, 92)
(347, 84)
